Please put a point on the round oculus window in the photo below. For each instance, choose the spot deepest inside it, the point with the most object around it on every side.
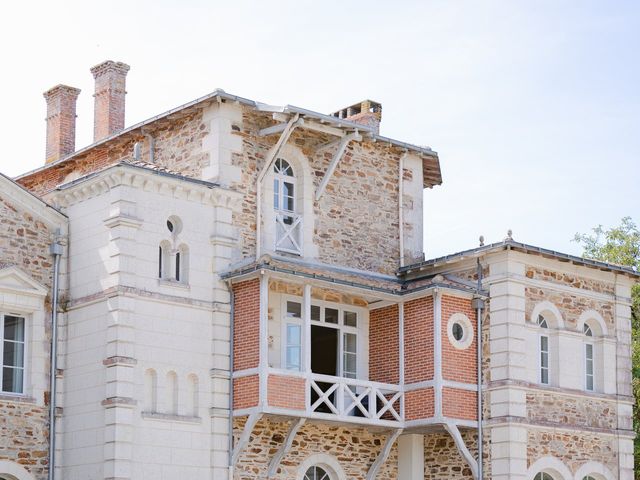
(460, 331)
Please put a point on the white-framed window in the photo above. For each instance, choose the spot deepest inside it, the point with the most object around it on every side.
(316, 473)
(589, 377)
(543, 352)
(343, 318)
(288, 222)
(13, 336)
(543, 476)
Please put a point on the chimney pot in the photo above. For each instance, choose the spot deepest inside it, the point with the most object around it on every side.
(367, 112)
(110, 90)
(61, 121)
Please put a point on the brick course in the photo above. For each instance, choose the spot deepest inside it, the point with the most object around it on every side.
(458, 365)
(286, 392)
(418, 340)
(246, 321)
(384, 355)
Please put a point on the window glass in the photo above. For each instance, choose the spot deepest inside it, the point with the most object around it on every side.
(331, 315)
(543, 476)
(350, 355)
(276, 193)
(294, 346)
(350, 319)
(588, 352)
(544, 360)
(458, 331)
(287, 196)
(315, 313)
(587, 330)
(542, 322)
(13, 340)
(294, 310)
(316, 473)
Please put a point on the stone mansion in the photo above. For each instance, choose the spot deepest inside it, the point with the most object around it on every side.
(237, 290)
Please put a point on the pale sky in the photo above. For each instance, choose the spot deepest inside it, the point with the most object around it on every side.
(533, 106)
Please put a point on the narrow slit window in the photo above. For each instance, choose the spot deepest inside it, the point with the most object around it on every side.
(544, 359)
(588, 363)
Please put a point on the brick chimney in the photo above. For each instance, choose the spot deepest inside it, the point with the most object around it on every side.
(61, 121)
(110, 80)
(367, 113)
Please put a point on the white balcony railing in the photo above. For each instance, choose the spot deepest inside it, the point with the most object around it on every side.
(289, 232)
(347, 397)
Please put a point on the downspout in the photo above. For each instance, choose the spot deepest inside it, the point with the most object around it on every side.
(56, 250)
(478, 304)
(231, 332)
(400, 215)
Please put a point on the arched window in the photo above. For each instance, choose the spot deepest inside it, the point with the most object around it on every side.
(164, 260)
(544, 352)
(192, 395)
(316, 473)
(173, 260)
(172, 393)
(288, 221)
(151, 391)
(589, 369)
(543, 476)
(588, 477)
(182, 264)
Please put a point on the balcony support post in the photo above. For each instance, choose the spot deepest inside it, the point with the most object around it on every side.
(452, 428)
(285, 447)
(401, 354)
(306, 351)
(263, 368)
(342, 146)
(252, 420)
(383, 455)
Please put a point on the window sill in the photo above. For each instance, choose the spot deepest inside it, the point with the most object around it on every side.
(16, 397)
(169, 417)
(165, 282)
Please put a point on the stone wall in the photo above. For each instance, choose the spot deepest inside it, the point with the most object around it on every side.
(570, 305)
(442, 460)
(570, 280)
(573, 448)
(23, 435)
(355, 449)
(552, 407)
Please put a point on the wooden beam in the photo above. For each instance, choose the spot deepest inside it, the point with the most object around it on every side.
(285, 447)
(383, 455)
(462, 448)
(334, 162)
(272, 130)
(244, 438)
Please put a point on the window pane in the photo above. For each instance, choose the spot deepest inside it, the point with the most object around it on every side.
(350, 365)
(590, 382)
(13, 328)
(331, 315)
(293, 358)
(315, 312)
(350, 319)
(293, 334)
(294, 310)
(544, 376)
(350, 343)
(12, 380)
(544, 360)
(276, 194)
(544, 344)
(13, 355)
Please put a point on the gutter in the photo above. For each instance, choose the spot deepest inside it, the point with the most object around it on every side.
(56, 250)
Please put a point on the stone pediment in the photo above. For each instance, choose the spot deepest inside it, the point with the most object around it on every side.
(13, 279)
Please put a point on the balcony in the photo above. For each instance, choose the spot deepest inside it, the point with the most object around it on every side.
(289, 232)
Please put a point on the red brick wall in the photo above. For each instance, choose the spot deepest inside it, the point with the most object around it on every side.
(384, 350)
(458, 365)
(460, 404)
(246, 321)
(246, 392)
(286, 392)
(419, 404)
(418, 340)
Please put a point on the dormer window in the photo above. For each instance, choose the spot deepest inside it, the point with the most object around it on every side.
(288, 222)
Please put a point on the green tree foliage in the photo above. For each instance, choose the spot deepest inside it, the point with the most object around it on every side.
(621, 245)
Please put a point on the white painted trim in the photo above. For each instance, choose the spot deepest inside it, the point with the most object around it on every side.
(468, 333)
(401, 353)
(372, 473)
(552, 466)
(546, 306)
(462, 448)
(14, 471)
(32, 288)
(285, 447)
(327, 462)
(264, 339)
(247, 372)
(592, 315)
(437, 351)
(26, 352)
(252, 420)
(594, 469)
